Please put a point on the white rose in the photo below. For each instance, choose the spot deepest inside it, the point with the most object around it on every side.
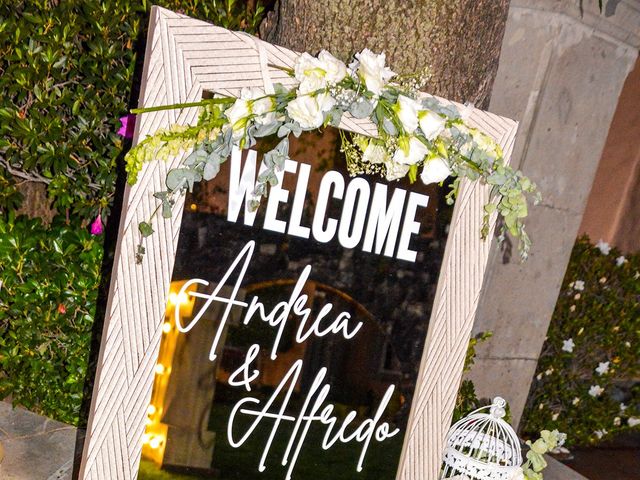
(374, 154)
(435, 171)
(308, 110)
(417, 151)
(335, 70)
(395, 170)
(260, 105)
(238, 115)
(407, 110)
(309, 72)
(371, 69)
(431, 124)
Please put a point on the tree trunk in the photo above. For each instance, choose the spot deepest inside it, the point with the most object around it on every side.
(458, 39)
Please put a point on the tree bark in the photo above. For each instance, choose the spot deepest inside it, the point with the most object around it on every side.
(458, 39)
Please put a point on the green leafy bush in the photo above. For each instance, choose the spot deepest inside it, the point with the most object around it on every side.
(587, 382)
(50, 279)
(67, 70)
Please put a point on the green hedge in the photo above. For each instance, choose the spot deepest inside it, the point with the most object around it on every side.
(66, 75)
(598, 311)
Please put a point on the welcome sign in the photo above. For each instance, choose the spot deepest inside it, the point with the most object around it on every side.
(322, 335)
(316, 307)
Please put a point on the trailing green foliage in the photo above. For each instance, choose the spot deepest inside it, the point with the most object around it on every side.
(50, 279)
(66, 71)
(588, 379)
(66, 74)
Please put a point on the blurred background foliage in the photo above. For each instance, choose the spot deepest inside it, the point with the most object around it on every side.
(599, 310)
(67, 73)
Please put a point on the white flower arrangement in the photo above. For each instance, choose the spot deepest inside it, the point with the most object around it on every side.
(416, 136)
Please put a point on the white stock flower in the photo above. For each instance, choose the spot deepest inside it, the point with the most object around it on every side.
(517, 474)
(616, 422)
(602, 368)
(575, 401)
(578, 285)
(633, 421)
(548, 371)
(623, 407)
(308, 110)
(417, 151)
(372, 70)
(555, 416)
(374, 154)
(407, 111)
(431, 124)
(600, 433)
(595, 390)
(621, 260)
(394, 170)
(435, 170)
(335, 70)
(604, 247)
(568, 345)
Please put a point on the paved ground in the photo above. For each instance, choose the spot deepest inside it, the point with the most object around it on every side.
(37, 448)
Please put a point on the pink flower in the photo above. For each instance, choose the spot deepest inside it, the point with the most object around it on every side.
(96, 226)
(128, 124)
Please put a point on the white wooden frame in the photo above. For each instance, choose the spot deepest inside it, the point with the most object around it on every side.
(185, 57)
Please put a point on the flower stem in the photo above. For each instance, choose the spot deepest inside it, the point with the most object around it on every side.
(202, 103)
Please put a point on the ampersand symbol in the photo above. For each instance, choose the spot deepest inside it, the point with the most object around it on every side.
(243, 370)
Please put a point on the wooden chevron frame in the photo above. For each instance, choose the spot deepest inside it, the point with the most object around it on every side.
(184, 58)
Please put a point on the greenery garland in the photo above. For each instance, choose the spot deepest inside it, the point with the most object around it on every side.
(416, 136)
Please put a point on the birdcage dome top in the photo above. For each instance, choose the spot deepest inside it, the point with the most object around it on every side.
(483, 446)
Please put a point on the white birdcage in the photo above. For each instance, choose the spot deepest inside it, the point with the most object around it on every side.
(482, 446)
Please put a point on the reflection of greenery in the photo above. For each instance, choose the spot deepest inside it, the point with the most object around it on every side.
(150, 471)
(338, 463)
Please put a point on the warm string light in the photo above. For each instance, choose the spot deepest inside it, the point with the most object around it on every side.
(166, 327)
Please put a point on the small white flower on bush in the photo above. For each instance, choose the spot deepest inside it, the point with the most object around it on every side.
(604, 247)
(572, 308)
(578, 285)
(620, 261)
(435, 170)
(372, 70)
(595, 390)
(541, 406)
(539, 376)
(600, 433)
(575, 401)
(568, 345)
(602, 368)
(555, 416)
(616, 422)
(407, 111)
(633, 421)
(431, 124)
(548, 371)
(416, 152)
(623, 407)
